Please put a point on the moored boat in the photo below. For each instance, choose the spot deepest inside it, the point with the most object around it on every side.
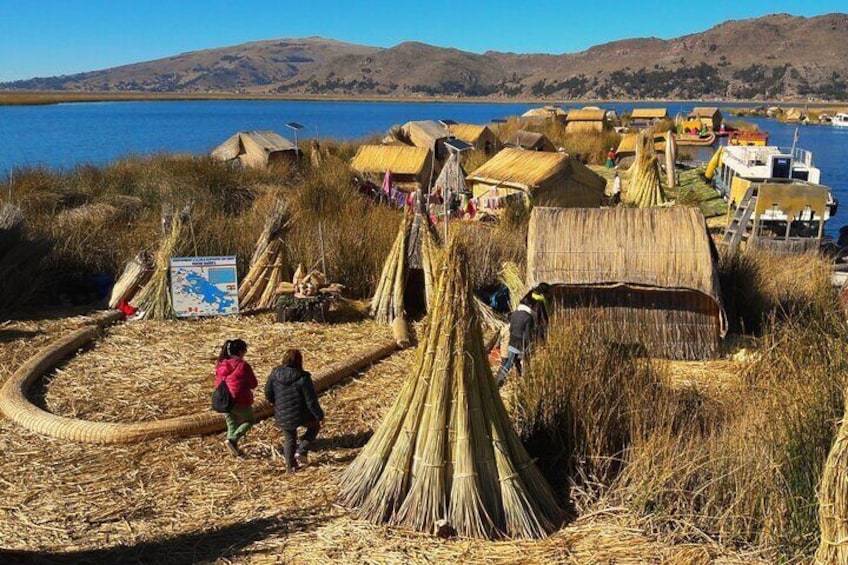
(840, 120)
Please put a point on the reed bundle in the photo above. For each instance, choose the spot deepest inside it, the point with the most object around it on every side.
(670, 160)
(387, 303)
(135, 275)
(268, 265)
(833, 501)
(153, 300)
(446, 450)
(645, 188)
(513, 278)
(415, 245)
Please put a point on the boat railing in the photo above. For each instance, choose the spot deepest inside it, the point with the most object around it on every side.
(799, 155)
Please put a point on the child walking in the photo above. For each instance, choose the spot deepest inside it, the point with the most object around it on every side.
(241, 381)
(290, 390)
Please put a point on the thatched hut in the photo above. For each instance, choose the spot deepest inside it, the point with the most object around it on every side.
(545, 113)
(642, 277)
(481, 137)
(256, 149)
(427, 134)
(586, 119)
(411, 167)
(709, 116)
(537, 177)
(530, 140)
(644, 117)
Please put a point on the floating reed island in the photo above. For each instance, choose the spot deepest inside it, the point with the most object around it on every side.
(679, 409)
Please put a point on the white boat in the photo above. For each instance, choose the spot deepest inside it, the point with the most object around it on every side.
(840, 120)
(770, 164)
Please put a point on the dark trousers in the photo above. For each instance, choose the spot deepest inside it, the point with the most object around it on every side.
(302, 447)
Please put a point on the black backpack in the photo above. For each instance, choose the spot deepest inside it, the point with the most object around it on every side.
(222, 399)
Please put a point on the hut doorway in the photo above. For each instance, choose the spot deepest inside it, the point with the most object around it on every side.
(414, 295)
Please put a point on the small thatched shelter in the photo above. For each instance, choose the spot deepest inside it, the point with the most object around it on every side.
(544, 179)
(710, 116)
(411, 167)
(427, 134)
(256, 149)
(545, 113)
(530, 140)
(643, 117)
(586, 119)
(481, 137)
(643, 277)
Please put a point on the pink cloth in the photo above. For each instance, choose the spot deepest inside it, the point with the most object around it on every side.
(240, 380)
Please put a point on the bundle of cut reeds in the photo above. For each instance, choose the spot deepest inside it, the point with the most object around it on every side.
(136, 274)
(512, 276)
(833, 501)
(447, 450)
(670, 160)
(387, 303)
(645, 189)
(268, 266)
(153, 300)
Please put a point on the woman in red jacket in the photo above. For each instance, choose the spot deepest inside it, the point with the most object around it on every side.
(241, 381)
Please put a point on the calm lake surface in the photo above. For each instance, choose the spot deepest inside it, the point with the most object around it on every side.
(64, 135)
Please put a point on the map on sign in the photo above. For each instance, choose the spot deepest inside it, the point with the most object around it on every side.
(204, 286)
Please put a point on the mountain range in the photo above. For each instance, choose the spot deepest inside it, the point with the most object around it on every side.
(773, 57)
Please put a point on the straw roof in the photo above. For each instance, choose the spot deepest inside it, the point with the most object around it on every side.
(659, 248)
(649, 113)
(424, 133)
(704, 111)
(530, 140)
(261, 142)
(544, 112)
(399, 159)
(586, 115)
(472, 133)
(627, 145)
(522, 169)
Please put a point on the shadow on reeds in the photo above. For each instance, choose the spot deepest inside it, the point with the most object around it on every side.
(204, 546)
(7, 336)
(345, 441)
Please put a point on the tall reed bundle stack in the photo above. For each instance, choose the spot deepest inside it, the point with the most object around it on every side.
(268, 265)
(415, 247)
(513, 278)
(670, 160)
(645, 189)
(447, 450)
(153, 301)
(387, 304)
(833, 501)
(135, 275)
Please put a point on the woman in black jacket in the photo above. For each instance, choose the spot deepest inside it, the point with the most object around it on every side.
(290, 390)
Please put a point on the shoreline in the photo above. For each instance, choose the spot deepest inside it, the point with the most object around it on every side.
(43, 98)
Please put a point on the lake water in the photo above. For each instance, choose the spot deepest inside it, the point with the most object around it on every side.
(65, 135)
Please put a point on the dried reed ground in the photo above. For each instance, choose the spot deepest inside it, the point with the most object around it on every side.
(186, 501)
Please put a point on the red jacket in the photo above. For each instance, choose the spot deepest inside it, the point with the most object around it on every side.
(240, 380)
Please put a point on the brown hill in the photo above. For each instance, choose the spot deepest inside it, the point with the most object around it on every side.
(773, 57)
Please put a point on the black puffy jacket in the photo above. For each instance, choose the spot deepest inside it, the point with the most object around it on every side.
(293, 395)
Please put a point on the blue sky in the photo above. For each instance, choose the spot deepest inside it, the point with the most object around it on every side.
(49, 37)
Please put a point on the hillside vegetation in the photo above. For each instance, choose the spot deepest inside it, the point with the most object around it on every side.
(773, 57)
